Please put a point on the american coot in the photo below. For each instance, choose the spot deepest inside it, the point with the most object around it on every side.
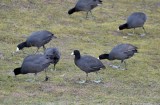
(33, 64)
(120, 52)
(54, 54)
(37, 39)
(85, 5)
(87, 63)
(135, 20)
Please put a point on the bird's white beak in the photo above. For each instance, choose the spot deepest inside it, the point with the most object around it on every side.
(118, 29)
(17, 49)
(72, 53)
(98, 58)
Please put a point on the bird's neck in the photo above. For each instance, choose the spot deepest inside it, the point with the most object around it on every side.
(24, 44)
(124, 26)
(105, 56)
(78, 56)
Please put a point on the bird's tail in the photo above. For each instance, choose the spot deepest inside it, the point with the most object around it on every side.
(71, 11)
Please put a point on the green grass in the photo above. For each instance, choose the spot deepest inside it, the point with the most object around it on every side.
(139, 85)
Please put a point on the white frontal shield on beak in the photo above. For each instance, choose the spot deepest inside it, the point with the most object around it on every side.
(72, 53)
(17, 49)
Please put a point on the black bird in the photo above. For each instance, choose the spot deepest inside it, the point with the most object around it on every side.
(54, 54)
(87, 63)
(120, 52)
(37, 39)
(33, 64)
(85, 5)
(135, 20)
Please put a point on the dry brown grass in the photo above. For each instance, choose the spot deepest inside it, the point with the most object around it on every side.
(139, 85)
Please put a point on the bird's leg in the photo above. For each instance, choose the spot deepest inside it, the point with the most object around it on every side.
(44, 48)
(122, 61)
(83, 81)
(121, 64)
(86, 15)
(54, 67)
(37, 50)
(92, 14)
(98, 78)
(133, 30)
(144, 32)
(125, 65)
(46, 77)
(35, 76)
(86, 77)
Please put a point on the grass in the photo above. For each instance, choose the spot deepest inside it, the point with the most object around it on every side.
(139, 85)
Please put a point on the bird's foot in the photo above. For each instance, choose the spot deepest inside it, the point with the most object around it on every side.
(55, 69)
(82, 82)
(97, 81)
(142, 35)
(115, 67)
(52, 70)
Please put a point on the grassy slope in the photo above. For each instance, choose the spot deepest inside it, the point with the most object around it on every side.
(139, 85)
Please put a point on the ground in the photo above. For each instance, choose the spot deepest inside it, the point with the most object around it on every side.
(139, 85)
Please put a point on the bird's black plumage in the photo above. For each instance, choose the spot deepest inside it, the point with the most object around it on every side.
(85, 5)
(37, 39)
(87, 63)
(54, 54)
(135, 20)
(33, 64)
(120, 52)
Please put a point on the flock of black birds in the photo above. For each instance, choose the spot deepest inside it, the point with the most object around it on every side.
(39, 62)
